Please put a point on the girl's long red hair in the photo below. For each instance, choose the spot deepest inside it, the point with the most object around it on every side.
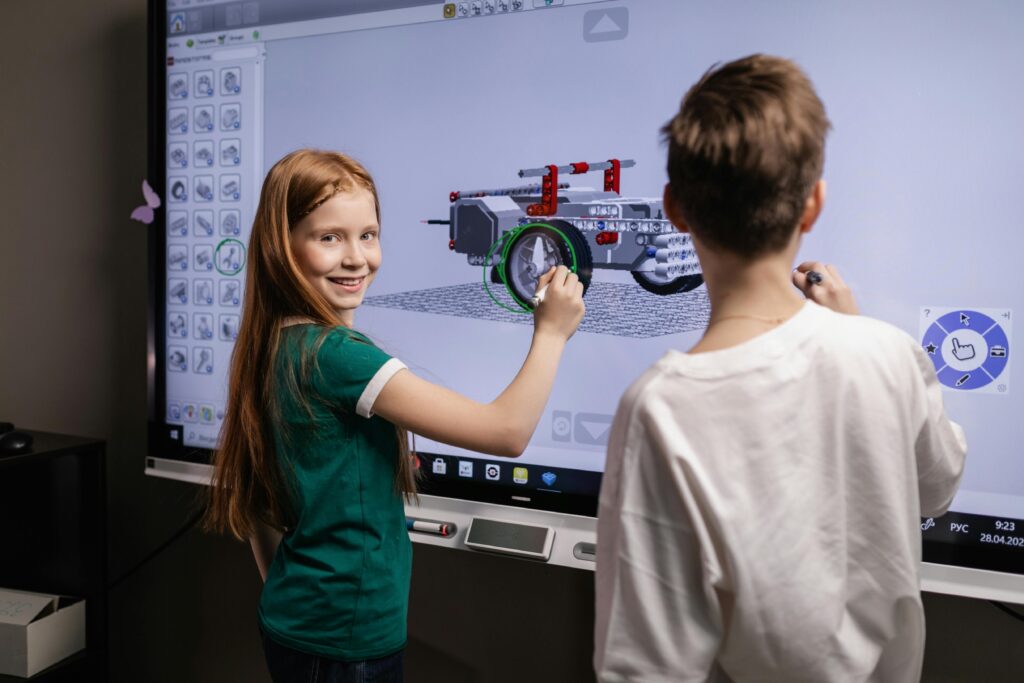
(249, 484)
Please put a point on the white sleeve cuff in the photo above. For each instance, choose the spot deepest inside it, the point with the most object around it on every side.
(364, 407)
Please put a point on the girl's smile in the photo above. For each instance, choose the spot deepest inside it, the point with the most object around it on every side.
(348, 284)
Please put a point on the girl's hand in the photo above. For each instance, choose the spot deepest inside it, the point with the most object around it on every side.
(503, 426)
(829, 290)
(562, 309)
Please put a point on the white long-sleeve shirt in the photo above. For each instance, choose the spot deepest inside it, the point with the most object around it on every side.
(759, 518)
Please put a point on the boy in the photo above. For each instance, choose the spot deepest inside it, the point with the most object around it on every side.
(759, 518)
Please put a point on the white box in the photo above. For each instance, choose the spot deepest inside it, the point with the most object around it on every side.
(38, 630)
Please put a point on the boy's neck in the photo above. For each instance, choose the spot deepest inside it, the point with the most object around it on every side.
(748, 297)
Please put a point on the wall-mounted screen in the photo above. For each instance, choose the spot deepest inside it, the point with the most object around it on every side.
(504, 132)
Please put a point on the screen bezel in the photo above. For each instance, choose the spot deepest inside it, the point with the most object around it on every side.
(161, 444)
(972, 557)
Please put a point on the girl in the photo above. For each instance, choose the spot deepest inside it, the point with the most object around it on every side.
(313, 462)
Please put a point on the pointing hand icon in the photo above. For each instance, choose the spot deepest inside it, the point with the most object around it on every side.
(962, 352)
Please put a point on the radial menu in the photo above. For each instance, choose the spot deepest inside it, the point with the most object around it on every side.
(969, 347)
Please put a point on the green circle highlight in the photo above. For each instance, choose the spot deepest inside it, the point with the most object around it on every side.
(508, 237)
(230, 241)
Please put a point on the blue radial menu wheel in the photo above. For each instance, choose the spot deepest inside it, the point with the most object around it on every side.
(969, 349)
(537, 247)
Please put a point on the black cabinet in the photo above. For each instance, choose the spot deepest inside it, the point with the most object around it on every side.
(53, 526)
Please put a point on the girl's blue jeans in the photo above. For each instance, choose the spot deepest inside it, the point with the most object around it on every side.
(291, 666)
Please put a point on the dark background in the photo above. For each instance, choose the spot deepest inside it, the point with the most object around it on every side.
(73, 360)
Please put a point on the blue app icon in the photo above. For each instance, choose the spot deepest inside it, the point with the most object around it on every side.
(549, 478)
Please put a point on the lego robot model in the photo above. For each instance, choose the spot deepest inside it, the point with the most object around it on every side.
(521, 232)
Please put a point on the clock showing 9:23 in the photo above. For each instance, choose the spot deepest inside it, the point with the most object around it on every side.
(969, 347)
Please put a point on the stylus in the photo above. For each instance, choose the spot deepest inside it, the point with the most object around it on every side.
(439, 528)
(538, 297)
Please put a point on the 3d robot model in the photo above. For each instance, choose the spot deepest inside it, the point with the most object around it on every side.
(520, 232)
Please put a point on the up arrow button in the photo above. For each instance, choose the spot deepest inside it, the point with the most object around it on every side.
(600, 25)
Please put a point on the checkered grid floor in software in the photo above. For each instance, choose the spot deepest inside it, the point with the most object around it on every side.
(619, 309)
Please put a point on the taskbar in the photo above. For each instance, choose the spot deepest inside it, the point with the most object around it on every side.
(168, 441)
(975, 541)
(509, 482)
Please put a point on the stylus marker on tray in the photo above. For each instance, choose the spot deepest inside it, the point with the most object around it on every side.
(427, 526)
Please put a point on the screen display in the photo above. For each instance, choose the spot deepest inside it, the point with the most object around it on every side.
(501, 132)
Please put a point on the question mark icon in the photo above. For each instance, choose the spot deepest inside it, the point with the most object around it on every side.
(927, 312)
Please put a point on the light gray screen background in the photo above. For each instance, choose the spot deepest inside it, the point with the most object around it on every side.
(924, 165)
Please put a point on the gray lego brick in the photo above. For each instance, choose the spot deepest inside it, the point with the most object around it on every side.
(619, 309)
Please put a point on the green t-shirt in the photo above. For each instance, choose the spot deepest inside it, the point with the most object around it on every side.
(339, 583)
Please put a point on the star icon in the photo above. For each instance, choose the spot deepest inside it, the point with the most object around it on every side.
(931, 348)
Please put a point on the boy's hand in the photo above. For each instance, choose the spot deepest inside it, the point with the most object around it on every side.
(830, 291)
(562, 308)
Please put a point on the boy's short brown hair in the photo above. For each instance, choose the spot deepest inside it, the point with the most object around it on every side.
(744, 153)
